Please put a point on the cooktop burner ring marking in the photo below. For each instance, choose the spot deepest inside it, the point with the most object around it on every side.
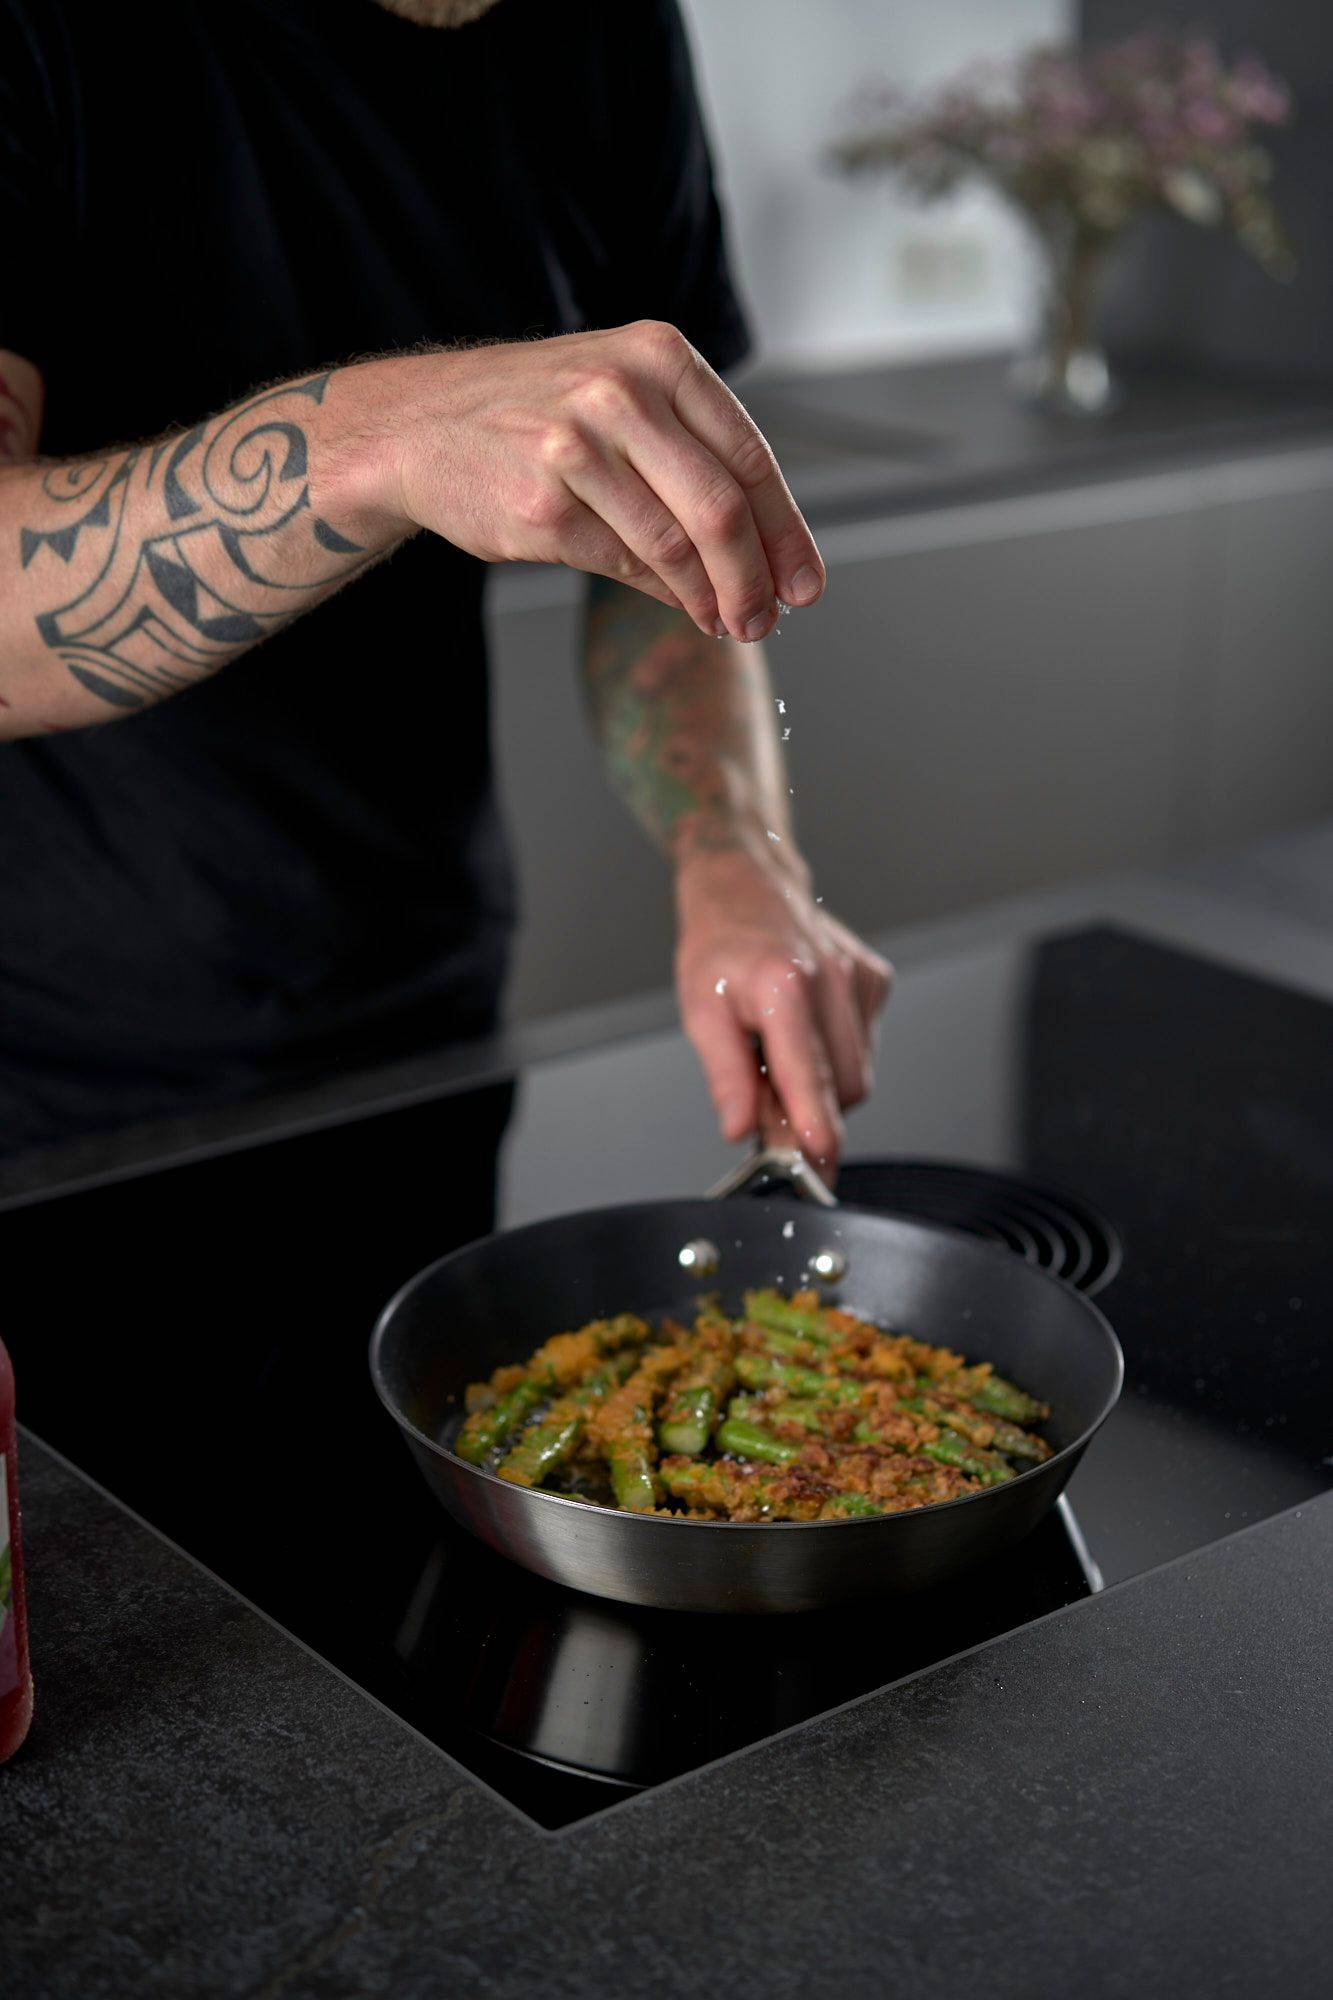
(1058, 1231)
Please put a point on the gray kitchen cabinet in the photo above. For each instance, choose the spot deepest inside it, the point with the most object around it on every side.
(1268, 623)
(991, 697)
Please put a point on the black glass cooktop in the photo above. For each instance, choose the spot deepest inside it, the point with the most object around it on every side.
(195, 1339)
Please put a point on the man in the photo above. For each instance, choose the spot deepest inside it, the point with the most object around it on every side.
(227, 864)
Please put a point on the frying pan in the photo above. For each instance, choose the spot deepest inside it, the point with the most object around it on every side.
(493, 1301)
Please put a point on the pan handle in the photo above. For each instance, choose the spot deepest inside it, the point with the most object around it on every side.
(787, 1166)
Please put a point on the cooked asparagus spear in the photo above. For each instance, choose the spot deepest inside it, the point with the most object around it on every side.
(550, 1441)
(1020, 1444)
(748, 1440)
(990, 1393)
(760, 1371)
(990, 1433)
(849, 1506)
(792, 1346)
(770, 1309)
(951, 1449)
(559, 1363)
(732, 1488)
(485, 1429)
(807, 1411)
(698, 1396)
(621, 1429)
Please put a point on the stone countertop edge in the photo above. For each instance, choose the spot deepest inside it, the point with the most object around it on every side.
(1130, 1792)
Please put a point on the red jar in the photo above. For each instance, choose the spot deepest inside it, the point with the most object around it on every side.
(15, 1675)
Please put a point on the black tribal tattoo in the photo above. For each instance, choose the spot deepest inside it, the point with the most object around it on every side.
(156, 611)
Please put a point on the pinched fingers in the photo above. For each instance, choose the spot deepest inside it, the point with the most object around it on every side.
(604, 482)
(706, 406)
(715, 513)
(581, 537)
(695, 446)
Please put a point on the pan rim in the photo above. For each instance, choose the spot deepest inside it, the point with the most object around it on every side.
(630, 1210)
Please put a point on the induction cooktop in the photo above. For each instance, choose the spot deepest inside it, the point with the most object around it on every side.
(195, 1337)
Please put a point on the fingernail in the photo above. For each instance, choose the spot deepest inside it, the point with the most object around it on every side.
(804, 586)
(720, 629)
(758, 626)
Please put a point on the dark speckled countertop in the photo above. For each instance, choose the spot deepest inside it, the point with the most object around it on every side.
(1130, 1796)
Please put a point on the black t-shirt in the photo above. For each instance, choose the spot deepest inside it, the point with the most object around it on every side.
(298, 863)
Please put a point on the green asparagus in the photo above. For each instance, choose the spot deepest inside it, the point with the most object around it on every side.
(990, 1393)
(559, 1363)
(770, 1309)
(485, 1429)
(621, 1429)
(695, 1403)
(951, 1449)
(849, 1507)
(807, 1411)
(733, 1488)
(994, 1433)
(748, 1440)
(632, 1477)
(550, 1441)
(793, 1346)
(827, 1415)
(760, 1371)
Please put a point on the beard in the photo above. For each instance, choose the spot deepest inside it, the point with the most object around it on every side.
(439, 13)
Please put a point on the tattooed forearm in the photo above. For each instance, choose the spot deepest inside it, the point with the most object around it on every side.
(685, 724)
(145, 570)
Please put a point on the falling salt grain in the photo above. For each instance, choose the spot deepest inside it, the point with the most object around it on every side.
(773, 836)
(721, 986)
(782, 706)
(789, 1230)
(786, 735)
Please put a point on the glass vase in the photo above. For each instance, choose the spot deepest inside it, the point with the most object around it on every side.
(1066, 371)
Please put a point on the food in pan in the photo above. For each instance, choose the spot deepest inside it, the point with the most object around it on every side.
(794, 1411)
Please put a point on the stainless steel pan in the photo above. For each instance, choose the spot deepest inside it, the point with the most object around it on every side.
(493, 1301)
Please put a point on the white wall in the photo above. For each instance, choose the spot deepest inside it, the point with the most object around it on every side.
(839, 271)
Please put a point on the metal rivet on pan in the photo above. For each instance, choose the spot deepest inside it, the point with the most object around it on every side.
(700, 1256)
(828, 1266)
